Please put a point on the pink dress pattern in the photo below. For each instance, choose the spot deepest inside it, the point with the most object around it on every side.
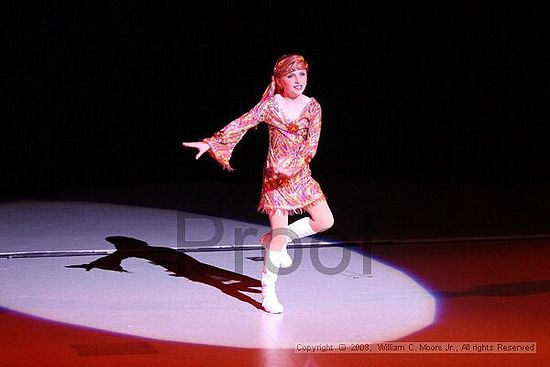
(292, 144)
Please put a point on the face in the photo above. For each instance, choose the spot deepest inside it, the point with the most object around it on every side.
(293, 83)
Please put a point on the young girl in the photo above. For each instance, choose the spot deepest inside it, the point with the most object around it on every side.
(294, 122)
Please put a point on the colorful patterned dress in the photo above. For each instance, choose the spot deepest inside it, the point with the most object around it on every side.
(292, 144)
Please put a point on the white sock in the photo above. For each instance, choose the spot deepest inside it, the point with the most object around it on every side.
(300, 228)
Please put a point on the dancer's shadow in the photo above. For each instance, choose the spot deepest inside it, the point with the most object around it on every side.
(179, 264)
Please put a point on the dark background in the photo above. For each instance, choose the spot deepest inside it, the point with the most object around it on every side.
(101, 94)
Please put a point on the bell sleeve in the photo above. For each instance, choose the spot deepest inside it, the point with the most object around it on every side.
(224, 141)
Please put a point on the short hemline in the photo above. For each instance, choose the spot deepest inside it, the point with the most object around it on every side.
(291, 211)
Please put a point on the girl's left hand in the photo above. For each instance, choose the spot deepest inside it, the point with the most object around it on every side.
(277, 172)
(283, 172)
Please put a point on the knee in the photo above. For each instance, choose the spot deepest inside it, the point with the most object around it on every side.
(324, 223)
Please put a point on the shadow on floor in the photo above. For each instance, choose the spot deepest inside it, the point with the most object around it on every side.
(501, 290)
(179, 265)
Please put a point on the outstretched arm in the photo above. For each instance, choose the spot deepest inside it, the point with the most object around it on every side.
(220, 146)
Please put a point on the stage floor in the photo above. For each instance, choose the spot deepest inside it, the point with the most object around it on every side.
(96, 282)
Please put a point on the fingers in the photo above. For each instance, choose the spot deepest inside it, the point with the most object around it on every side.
(202, 149)
(201, 146)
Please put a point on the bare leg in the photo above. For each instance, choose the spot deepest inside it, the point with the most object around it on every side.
(321, 217)
(278, 223)
(320, 220)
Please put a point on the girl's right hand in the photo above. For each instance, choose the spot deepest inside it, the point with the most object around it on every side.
(200, 145)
